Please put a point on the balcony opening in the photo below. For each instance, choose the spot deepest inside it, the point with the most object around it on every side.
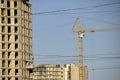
(3, 20)
(16, 63)
(9, 70)
(3, 37)
(2, 1)
(3, 45)
(16, 46)
(3, 78)
(16, 37)
(3, 29)
(16, 55)
(8, 12)
(9, 29)
(9, 20)
(9, 45)
(16, 71)
(16, 29)
(16, 21)
(16, 78)
(9, 78)
(3, 63)
(2, 11)
(15, 4)
(15, 12)
(3, 54)
(9, 63)
(3, 71)
(8, 37)
(8, 3)
(9, 54)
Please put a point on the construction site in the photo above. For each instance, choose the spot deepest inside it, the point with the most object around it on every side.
(34, 47)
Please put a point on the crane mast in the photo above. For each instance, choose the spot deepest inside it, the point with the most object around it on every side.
(80, 41)
(80, 32)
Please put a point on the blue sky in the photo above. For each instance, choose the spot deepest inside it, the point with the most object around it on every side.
(52, 36)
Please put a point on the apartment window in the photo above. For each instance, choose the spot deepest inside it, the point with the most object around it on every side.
(16, 46)
(16, 63)
(3, 78)
(15, 3)
(3, 71)
(3, 45)
(9, 70)
(8, 3)
(15, 12)
(8, 12)
(3, 20)
(9, 54)
(9, 63)
(9, 78)
(2, 1)
(3, 63)
(2, 11)
(9, 29)
(16, 29)
(3, 37)
(3, 54)
(8, 37)
(3, 29)
(9, 45)
(16, 54)
(16, 21)
(16, 37)
(9, 20)
(16, 71)
(16, 78)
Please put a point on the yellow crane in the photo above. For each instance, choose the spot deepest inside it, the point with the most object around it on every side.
(80, 50)
(80, 32)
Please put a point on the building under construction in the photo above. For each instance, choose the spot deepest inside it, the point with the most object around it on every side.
(15, 40)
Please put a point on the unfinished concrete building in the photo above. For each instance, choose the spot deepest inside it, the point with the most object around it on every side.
(15, 40)
(48, 72)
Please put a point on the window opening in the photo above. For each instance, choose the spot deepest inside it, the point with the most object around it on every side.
(3, 20)
(16, 63)
(8, 37)
(9, 45)
(8, 3)
(3, 71)
(16, 71)
(9, 54)
(9, 21)
(3, 45)
(9, 71)
(16, 37)
(16, 20)
(3, 29)
(3, 54)
(15, 3)
(3, 63)
(16, 46)
(8, 12)
(9, 63)
(16, 54)
(9, 29)
(2, 1)
(2, 11)
(16, 29)
(3, 37)
(15, 12)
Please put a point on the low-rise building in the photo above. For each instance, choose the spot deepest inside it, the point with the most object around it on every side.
(48, 72)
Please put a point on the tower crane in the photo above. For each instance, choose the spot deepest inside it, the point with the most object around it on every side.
(80, 32)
